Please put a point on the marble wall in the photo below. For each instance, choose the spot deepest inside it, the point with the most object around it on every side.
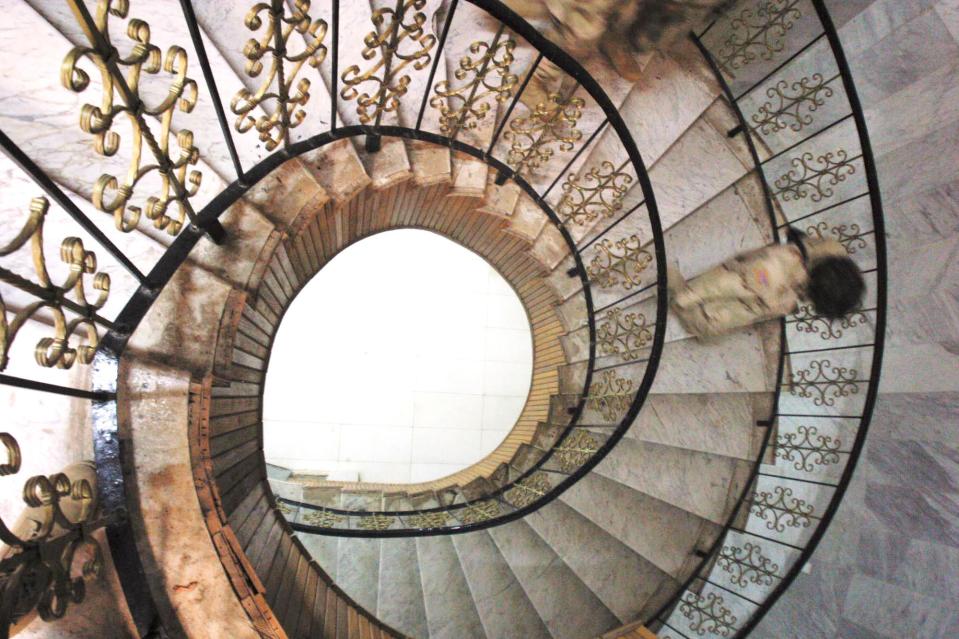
(887, 565)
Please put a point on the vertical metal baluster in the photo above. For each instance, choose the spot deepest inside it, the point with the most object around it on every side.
(512, 105)
(50, 187)
(436, 61)
(212, 228)
(190, 16)
(335, 63)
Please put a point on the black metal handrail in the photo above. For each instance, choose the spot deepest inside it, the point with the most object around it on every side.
(734, 586)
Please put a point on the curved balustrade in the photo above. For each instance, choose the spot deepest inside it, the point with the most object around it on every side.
(782, 67)
(147, 171)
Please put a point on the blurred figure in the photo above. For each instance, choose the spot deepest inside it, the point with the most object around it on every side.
(768, 283)
(619, 30)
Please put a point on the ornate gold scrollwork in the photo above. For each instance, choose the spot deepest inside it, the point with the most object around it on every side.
(391, 29)
(599, 193)
(277, 84)
(619, 263)
(622, 334)
(478, 512)
(535, 138)
(814, 176)
(574, 451)
(39, 573)
(529, 490)
(55, 350)
(610, 395)
(428, 520)
(489, 66)
(177, 181)
(322, 518)
(758, 32)
(375, 522)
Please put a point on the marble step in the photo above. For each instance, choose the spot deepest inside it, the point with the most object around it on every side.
(568, 608)
(323, 549)
(716, 424)
(504, 609)
(700, 483)
(626, 583)
(358, 568)
(658, 531)
(450, 610)
(740, 362)
(399, 600)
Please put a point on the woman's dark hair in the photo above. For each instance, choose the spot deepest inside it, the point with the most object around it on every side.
(836, 287)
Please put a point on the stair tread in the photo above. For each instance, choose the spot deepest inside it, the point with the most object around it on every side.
(503, 606)
(623, 580)
(400, 592)
(450, 611)
(567, 606)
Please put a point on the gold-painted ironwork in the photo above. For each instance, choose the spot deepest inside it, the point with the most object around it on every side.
(610, 395)
(397, 41)
(151, 125)
(490, 82)
(824, 383)
(574, 451)
(375, 522)
(550, 127)
(286, 509)
(54, 298)
(780, 510)
(280, 104)
(796, 103)
(807, 321)
(747, 565)
(623, 334)
(619, 263)
(322, 518)
(599, 193)
(814, 177)
(806, 448)
(849, 235)
(428, 520)
(525, 492)
(55, 553)
(708, 615)
(758, 32)
(478, 512)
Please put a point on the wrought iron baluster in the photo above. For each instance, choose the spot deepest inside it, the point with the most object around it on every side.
(98, 122)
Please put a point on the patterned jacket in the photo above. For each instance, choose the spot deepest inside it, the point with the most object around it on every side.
(753, 287)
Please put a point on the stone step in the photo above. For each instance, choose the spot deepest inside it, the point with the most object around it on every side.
(568, 608)
(358, 569)
(716, 424)
(626, 583)
(663, 534)
(399, 600)
(504, 609)
(701, 483)
(450, 610)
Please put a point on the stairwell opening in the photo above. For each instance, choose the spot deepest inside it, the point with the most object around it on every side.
(405, 359)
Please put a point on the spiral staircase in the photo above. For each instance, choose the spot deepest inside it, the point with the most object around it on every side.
(654, 482)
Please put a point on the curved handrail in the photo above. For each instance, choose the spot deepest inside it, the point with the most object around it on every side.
(745, 571)
(108, 443)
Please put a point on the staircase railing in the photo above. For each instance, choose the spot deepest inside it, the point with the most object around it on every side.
(541, 151)
(783, 70)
